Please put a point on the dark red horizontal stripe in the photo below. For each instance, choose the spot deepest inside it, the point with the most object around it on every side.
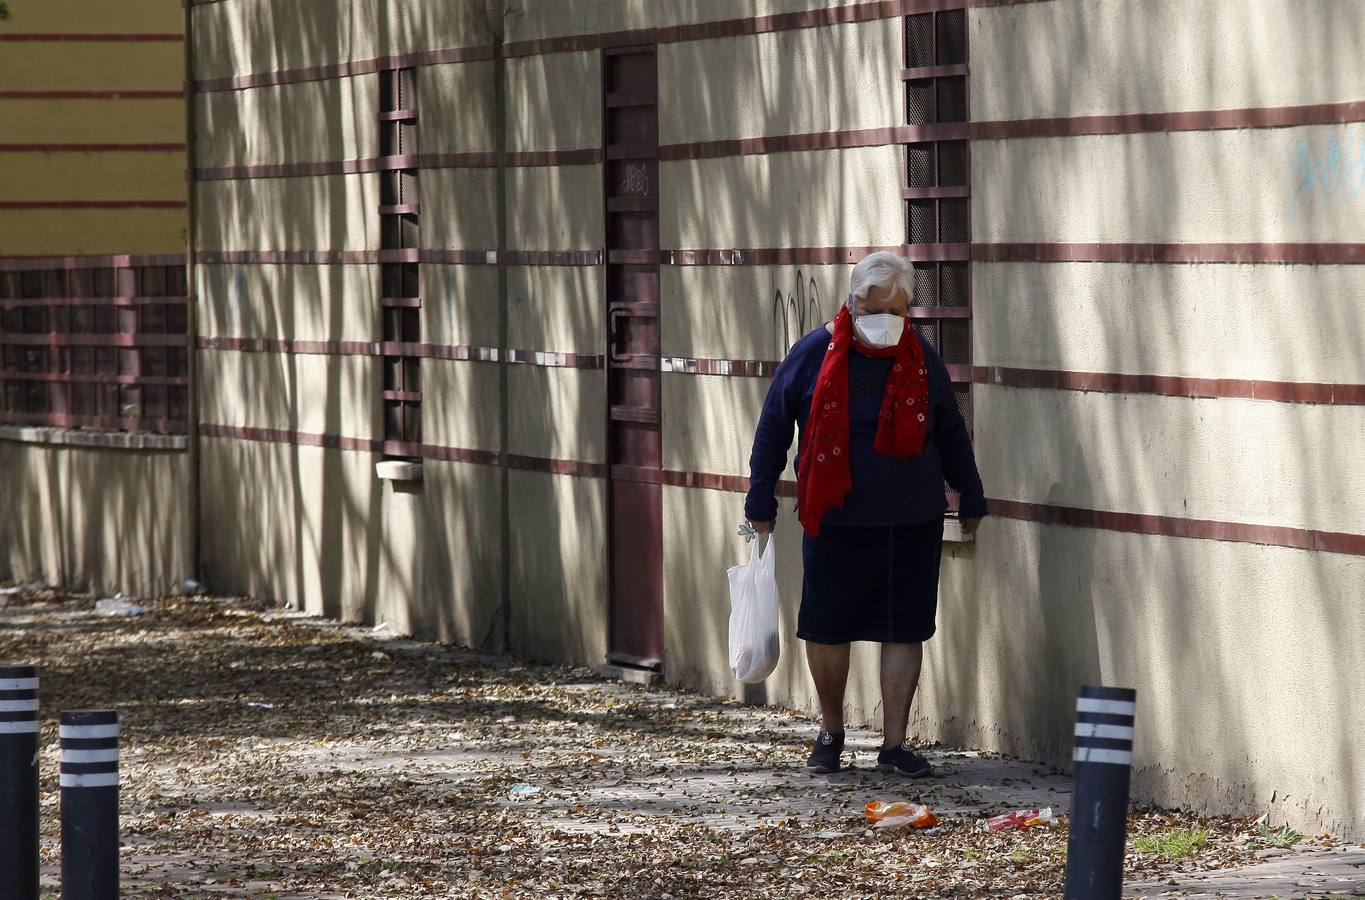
(92, 148)
(770, 256)
(81, 339)
(347, 69)
(1170, 526)
(287, 257)
(1132, 523)
(92, 95)
(39, 263)
(81, 378)
(557, 466)
(784, 143)
(179, 300)
(861, 12)
(1325, 253)
(743, 368)
(370, 257)
(92, 38)
(1174, 386)
(1195, 120)
(473, 160)
(552, 257)
(92, 204)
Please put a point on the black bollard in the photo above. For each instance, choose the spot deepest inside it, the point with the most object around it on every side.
(89, 804)
(19, 781)
(1099, 806)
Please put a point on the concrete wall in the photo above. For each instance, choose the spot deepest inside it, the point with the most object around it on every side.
(1206, 631)
(94, 518)
(421, 557)
(81, 511)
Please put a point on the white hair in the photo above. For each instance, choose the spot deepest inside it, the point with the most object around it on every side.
(883, 269)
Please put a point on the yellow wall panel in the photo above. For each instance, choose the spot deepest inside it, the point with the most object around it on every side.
(92, 121)
(76, 232)
(85, 66)
(94, 17)
(93, 176)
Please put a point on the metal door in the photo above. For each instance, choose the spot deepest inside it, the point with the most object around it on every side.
(631, 184)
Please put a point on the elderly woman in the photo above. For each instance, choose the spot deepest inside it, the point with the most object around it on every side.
(880, 433)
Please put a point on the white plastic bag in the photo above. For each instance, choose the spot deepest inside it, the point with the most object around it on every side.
(754, 639)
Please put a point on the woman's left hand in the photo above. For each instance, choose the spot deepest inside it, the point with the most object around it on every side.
(969, 526)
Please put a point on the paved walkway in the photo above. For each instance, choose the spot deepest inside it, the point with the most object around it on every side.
(274, 755)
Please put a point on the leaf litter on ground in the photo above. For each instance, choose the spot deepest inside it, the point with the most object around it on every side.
(266, 754)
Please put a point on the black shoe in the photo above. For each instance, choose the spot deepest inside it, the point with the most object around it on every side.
(903, 760)
(824, 758)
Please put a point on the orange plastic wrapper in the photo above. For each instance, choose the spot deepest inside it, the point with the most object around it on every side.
(899, 814)
(1020, 818)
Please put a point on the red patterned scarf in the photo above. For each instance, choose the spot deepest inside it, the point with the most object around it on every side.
(824, 478)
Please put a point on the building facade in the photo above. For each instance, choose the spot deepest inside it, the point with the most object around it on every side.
(487, 296)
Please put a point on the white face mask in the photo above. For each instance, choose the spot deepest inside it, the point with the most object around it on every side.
(882, 330)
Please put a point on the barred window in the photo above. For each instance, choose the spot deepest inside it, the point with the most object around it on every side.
(102, 347)
(399, 268)
(937, 188)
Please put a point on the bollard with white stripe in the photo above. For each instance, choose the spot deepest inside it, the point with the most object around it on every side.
(19, 780)
(1103, 761)
(89, 804)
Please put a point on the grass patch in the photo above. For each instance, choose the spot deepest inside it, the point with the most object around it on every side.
(1176, 843)
(1283, 837)
(1020, 856)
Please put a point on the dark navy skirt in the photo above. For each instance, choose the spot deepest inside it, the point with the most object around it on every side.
(875, 583)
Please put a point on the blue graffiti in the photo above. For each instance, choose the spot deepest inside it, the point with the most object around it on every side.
(1333, 175)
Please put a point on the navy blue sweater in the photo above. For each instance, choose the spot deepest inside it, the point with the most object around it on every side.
(886, 491)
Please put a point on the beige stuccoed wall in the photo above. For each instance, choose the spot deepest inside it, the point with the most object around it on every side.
(1286, 323)
(327, 212)
(1214, 186)
(306, 303)
(531, 19)
(1241, 656)
(1292, 464)
(711, 421)
(312, 121)
(558, 567)
(743, 87)
(293, 524)
(241, 37)
(459, 209)
(812, 199)
(1102, 57)
(555, 308)
(554, 102)
(745, 312)
(555, 208)
(311, 393)
(460, 406)
(450, 122)
(95, 519)
(460, 305)
(557, 413)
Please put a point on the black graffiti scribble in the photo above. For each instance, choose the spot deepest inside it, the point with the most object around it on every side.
(794, 313)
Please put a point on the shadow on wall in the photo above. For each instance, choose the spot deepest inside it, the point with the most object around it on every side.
(1106, 624)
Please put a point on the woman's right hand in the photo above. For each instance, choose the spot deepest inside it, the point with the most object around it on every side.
(763, 527)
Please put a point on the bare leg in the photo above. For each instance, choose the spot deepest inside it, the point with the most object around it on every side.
(900, 677)
(829, 667)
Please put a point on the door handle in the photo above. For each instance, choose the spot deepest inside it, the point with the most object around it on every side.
(614, 335)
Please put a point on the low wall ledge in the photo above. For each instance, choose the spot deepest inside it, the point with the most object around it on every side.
(99, 440)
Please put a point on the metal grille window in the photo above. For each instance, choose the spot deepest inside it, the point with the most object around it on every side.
(95, 347)
(937, 188)
(399, 270)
